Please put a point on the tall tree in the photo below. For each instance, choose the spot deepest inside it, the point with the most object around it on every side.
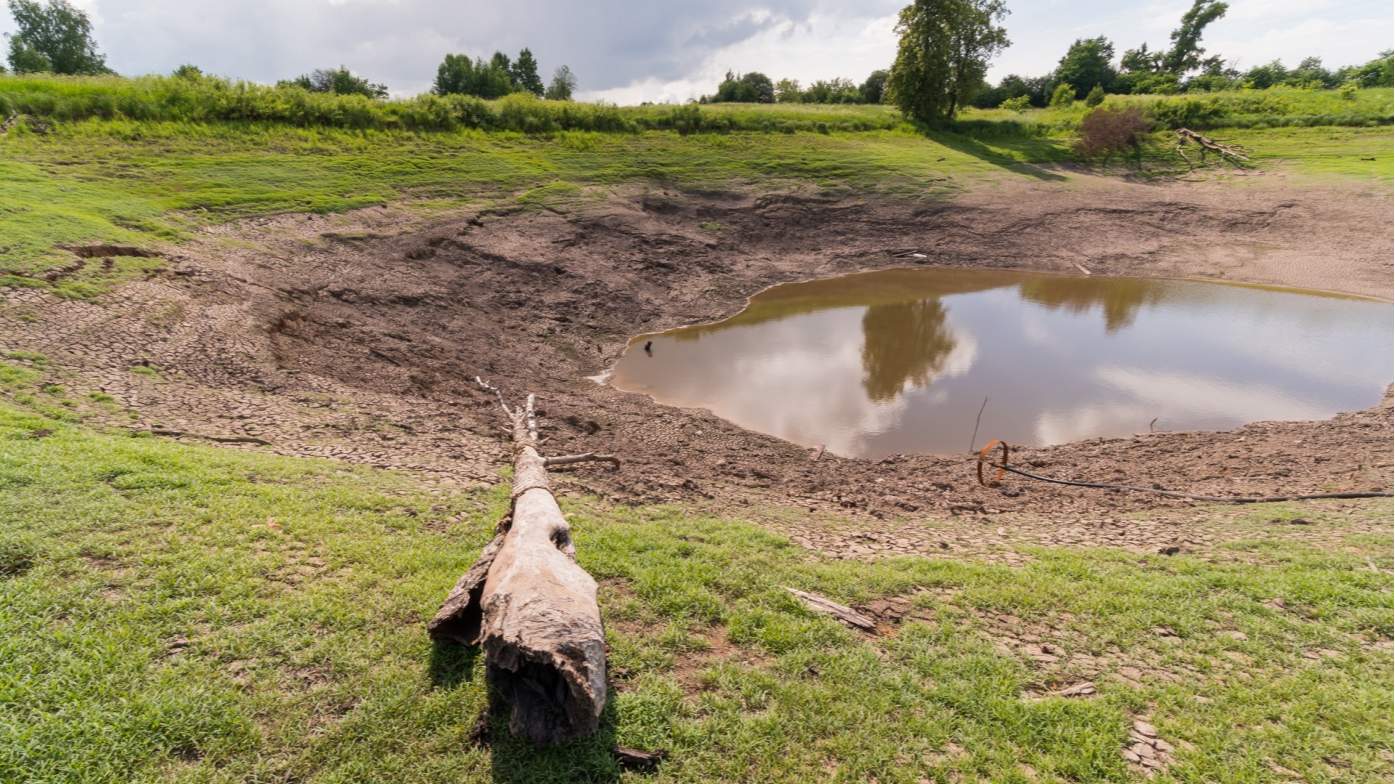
(525, 73)
(458, 74)
(1185, 54)
(943, 55)
(53, 36)
(874, 88)
(562, 86)
(1089, 62)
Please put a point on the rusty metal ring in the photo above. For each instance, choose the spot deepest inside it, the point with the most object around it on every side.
(1002, 467)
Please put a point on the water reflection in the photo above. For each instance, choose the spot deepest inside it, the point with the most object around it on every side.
(899, 361)
(904, 345)
(1119, 299)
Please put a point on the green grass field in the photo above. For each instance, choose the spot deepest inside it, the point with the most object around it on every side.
(155, 626)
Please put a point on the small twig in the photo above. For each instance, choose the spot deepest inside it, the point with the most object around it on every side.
(1150, 424)
(497, 394)
(822, 447)
(974, 439)
(549, 462)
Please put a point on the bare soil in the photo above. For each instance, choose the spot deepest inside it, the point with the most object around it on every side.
(358, 338)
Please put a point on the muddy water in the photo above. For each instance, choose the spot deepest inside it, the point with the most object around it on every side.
(900, 361)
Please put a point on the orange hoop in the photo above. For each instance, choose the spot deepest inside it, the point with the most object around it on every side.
(983, 458)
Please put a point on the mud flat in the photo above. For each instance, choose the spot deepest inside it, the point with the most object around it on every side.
(358, 337)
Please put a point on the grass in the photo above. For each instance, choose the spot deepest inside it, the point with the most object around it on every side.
(152, 184)
(155, 626)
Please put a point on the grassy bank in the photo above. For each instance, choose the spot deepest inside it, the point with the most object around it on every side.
(185, 614)
(151, 184)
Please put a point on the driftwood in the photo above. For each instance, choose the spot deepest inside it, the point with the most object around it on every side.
(531, 607)
(845, 614)
(1232, 153)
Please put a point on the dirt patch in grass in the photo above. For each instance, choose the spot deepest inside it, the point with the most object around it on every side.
(366, 351)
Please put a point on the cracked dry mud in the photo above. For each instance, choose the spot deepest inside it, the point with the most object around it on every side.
(357, 337)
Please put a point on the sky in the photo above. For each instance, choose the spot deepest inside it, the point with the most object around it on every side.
(628, 51)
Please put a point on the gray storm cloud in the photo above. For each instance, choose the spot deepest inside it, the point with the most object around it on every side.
(608, 43)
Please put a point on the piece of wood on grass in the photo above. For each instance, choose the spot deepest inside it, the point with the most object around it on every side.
(531, 608)
(828, 607)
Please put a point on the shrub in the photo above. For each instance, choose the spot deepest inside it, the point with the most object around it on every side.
(1064, 95)
(1096, 97)
(1019, 104)
(1105, 132)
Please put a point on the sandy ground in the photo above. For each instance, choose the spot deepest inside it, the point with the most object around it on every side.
(358, 338)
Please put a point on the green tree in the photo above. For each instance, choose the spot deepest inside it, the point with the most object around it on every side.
(874, 89)
(459, 75)
(1379, 72)
(340, 81)
(833, 91)
(943, 55)
(754, 87)
(1095, 97)
(1087, 63)
(525, 73)
(1185, 54)
(53, 36)
(26, 59)
(562, 86)
(188, 72)
(1262, 77)
(788, 91)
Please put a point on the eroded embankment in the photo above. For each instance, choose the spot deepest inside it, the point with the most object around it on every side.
(358, 337)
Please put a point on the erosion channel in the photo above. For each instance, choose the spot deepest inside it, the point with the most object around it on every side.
(902, 361)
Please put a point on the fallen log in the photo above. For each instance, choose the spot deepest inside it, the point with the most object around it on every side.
(531, 607)
(1232, 153)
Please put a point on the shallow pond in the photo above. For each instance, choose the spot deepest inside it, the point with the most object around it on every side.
(900, 361)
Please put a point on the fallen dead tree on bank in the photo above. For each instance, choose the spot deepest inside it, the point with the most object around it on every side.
(1232, 153)
(530, 606)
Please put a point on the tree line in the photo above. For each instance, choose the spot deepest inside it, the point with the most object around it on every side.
(942, 58)
(756, 87)
(56, 37)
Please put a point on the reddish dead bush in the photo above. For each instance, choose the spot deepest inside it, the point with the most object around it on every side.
(1105, 132)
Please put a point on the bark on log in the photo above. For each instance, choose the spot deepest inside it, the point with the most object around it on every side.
(532, 608)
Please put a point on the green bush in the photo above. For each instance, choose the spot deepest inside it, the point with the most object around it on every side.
(1095, 98)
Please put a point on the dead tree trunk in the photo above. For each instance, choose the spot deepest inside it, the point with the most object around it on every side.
(531, 607)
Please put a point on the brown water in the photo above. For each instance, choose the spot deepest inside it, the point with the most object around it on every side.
(899, 361)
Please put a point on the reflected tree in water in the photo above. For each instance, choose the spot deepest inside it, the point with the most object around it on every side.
(1120, 299)
(904, 344)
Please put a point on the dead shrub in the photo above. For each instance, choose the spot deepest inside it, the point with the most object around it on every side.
(1106, 132)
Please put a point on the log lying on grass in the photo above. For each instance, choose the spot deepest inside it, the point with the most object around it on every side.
(531, 608)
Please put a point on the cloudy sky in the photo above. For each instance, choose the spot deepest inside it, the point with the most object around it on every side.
(628, 51)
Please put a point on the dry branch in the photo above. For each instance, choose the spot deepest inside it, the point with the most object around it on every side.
(845, 614)
(531, 607)
(1232, 153)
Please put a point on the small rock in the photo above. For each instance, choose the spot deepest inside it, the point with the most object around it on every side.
(1169, 550)
(1131, 757)
(1143, 750)
(1145, 729)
